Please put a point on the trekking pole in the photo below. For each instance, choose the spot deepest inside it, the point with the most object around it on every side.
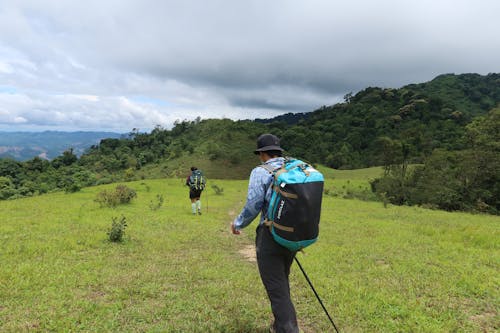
(315, 293)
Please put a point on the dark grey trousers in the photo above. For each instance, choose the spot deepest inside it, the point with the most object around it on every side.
(274, 266)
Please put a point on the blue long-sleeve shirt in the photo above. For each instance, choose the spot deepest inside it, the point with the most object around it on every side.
(259, 194)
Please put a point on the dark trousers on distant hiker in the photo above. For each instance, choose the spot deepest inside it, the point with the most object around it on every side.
(274, 263)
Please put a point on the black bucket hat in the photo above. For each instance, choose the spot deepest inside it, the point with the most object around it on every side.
(267, 142)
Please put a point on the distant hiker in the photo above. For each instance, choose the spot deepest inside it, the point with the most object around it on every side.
(196, 182)
(274, 260)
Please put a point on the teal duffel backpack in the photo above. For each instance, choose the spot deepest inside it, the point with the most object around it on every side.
(294, 209)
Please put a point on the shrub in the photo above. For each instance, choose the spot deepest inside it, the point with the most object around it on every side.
(154, 205)
(104, 181)
(390, 189)
(72, 187)
(148, 188)
(125, 194)
(105, 198)
(121, 195)
(218, 190)
(129, 174)
(117, 230)
(7, 188)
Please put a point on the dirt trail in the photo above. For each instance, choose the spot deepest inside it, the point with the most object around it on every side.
(247, 251)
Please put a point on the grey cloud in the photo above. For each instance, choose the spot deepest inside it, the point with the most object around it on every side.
(226, 58)
(264, 104)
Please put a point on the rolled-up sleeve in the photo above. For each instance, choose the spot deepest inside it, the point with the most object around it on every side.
(257, 188)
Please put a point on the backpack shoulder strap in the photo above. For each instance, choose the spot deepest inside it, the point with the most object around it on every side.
(268, 167)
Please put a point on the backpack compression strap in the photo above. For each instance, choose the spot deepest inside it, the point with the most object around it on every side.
(270, 224)
(277, 189)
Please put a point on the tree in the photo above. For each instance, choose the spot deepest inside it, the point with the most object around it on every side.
(348, 97)
(6, 188)
(66, 159)
(454, 180)
(10, 168)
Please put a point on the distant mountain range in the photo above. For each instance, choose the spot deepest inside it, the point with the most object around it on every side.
(23, 146)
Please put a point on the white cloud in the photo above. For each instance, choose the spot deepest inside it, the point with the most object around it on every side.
(88, 98)
(19, 120)
(5, 68)
(115, 64)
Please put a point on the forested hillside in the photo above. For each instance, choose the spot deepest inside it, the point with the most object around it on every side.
(423, 116)
(375, 127)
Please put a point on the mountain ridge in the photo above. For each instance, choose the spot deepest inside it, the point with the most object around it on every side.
(24, 145)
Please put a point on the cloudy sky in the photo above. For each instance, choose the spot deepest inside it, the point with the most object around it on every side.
(117, 65)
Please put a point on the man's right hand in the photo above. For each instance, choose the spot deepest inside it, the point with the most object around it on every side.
(233, 230)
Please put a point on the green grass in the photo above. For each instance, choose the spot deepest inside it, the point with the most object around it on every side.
(395, 269)
(351, 184)
(179, 167)
(352, 175)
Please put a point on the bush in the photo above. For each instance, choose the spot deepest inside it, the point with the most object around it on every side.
(106, 198)
(72, 187)
(7, 193)
(121, 195)
(390, 189)
(218, 190)
(104, 181)
(117, 230)
(147, 187)
(155, 205)
(129, 174)
(125, 194)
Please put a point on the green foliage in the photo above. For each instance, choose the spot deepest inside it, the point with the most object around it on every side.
(121, 195)
(7, 189)
(106, 199)
(125, 194)
(117, 230)
(218, 190)
(66, 159)
(129, 174)
(453, 180)
(146, 186)
(71, 187)
(156, 204)
(424, 116)
(391, 189)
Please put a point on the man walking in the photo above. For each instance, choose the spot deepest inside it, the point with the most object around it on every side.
(274, 261)
(196, 182)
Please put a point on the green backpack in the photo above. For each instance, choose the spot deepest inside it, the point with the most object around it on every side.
(197, 181)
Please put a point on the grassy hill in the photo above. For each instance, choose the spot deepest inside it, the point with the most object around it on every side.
(395, 269)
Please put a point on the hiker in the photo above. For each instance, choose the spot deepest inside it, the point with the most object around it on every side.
(196, 182)
(274, 260)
